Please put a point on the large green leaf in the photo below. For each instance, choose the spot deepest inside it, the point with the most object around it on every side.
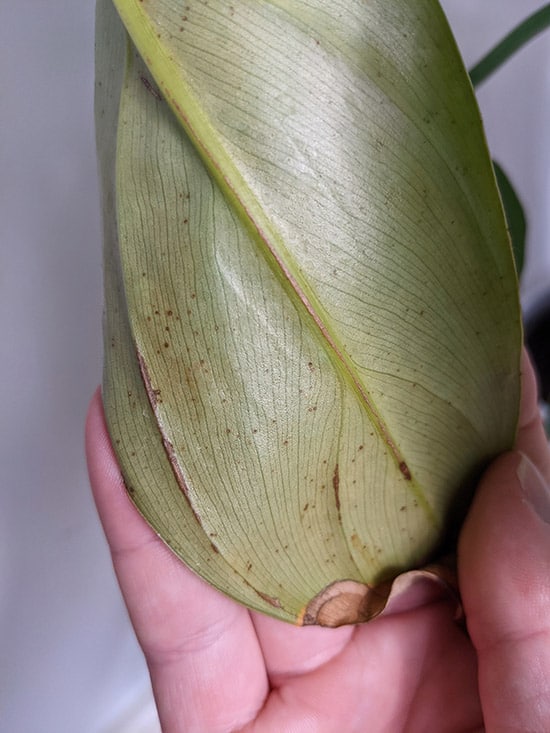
(312, 326)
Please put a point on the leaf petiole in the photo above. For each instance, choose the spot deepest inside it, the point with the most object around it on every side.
(518, 37)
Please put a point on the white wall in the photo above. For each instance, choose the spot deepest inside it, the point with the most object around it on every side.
(68, 659)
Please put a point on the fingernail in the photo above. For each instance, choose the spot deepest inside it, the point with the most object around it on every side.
(416, 588)
(536, 491)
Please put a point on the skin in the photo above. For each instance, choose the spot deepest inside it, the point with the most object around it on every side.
(217, 667)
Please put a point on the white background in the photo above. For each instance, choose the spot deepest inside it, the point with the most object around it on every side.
(68, 659)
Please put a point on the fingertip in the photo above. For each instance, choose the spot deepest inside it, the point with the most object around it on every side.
(122, 523)
(504, 541)
(94, 425)
(504, 571)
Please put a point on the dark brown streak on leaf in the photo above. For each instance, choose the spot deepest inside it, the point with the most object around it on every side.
(275, 602)
(405, 470)
(168, 447)
(150, 88)
(336, 486)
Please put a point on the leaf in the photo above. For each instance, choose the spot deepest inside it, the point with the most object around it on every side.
(312, 327)
(515, 217)
(512, 42)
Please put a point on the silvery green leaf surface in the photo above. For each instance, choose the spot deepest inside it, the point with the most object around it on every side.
(312, 328)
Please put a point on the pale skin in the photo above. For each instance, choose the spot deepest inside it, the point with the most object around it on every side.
(216, 667)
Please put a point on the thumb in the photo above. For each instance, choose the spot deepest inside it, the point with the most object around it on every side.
(504, 574)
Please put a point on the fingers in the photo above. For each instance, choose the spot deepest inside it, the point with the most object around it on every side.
(411, 670)
(291, 650)
(504, 564)
(504, 571)
(204, 658)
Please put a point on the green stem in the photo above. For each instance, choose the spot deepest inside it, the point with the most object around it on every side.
(524, 32)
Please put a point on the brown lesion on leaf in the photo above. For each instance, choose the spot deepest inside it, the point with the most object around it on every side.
(345, 602)
(275, 602)
(152, 395)
(336, 487)
(405, 470)
(151, 88)
(351, 602)
(156, 397)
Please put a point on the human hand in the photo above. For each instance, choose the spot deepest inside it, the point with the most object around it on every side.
(217, 667)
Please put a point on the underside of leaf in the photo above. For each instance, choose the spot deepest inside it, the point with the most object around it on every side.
(312, 327)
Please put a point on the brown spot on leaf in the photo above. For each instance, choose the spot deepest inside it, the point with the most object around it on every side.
(154, 397)
(405, 470)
